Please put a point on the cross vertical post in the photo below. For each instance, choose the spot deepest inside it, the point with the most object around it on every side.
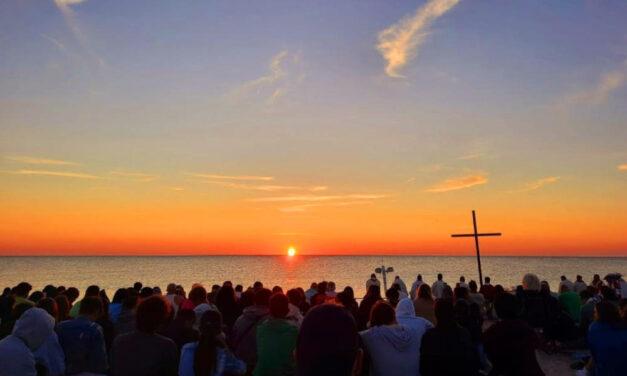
(476, 235)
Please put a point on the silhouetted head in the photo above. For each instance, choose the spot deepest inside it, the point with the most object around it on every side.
(472, 285)
(314, 286)
(279, 306)
(462, 279)
(92, 290)
(277, 289)
(382, 313)
(439, 276)
(487, 280)
(445, 314)
(294, 296)
(225, 297)
(22, 289)
(392, 295)
(262, 297)
(72, 294)
(138, 286)
(419, 277)
(447, 292)
(349, 292)
(563, 278)
(460, 293)
(373, 276)
(50, 306)
(606, 312)
(146, 292)
(322, 287)
(424, 292)
(579, 278)
(498, 289)
(50, 291)
(328, 343)
(120, 295)
(531, 282)
(198, 295)
(258, 285)
(91, 307)
(239, 288)
(506, 306)
(374, 291)
(36, 296)
(63, 307)
(331, 286)
(152, 312)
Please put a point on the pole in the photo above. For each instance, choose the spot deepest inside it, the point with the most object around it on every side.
(385, 283)
(474, 223)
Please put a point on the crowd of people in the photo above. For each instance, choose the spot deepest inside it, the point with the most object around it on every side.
(428, 329)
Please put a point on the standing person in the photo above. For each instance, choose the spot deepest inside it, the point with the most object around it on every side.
(244, 333)
(398, 281)
(331, 289)
(372, 281)
(210, 355)
(488, 291)
(565, 282)
(144, 352)
(438, 287)
(82, 339)
(276, 340)
(363, 314)
(462, 282)
(475, 297)
(510, 343)
(579, 285)
(30, 332)
(391, 349)
(328, 343)
(596, 280)
(423, 304)
(447, 349)
(414, 287)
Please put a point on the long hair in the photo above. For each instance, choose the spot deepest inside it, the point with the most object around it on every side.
(205, 358)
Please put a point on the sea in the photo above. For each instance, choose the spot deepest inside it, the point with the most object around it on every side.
(112, 272)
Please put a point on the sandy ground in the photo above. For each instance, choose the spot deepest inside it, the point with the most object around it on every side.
(555, 364)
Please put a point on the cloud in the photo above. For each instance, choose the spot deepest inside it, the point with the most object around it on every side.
(454, 184)
(139, 177)
(608, 83)
(176, 189)
(231, 177)
(267, 188)
(399, 43)
(540, 183)
(61, 174)
(278, 82)
(70, 20)
(302, 208)
(40, 161)
(623, 167)
(469, 156)
(319, 198)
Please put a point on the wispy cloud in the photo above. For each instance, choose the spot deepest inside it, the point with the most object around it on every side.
(231, 177)
(454, 184)
(176, 189)
(61, 174)
(39, 161)
(70, 19)
(318, 198)
(267, 187)
(469, 156)
(136, 176)
(304, 207)
(607, 83)
(623, 167)
(399, 43)
(277, 82)
(540, 183)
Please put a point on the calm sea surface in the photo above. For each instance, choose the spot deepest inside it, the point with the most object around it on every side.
(113, 272)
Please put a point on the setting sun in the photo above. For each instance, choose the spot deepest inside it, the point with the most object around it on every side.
(291, 252)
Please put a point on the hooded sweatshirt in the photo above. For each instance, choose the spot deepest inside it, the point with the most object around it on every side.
(393, 349)
(406, 315)
(244, 334)
(16, 350)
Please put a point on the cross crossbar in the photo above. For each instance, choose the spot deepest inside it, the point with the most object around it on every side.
(473, 235)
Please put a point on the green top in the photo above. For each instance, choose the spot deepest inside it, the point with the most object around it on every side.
(571, 301)
(76, 308)
(276, 341)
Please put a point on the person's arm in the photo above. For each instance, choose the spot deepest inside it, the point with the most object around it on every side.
(186, 365)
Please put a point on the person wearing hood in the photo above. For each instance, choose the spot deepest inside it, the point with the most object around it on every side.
(391, 349)
(30, 332)
(414, 286)
(276, 340)
(244, 333)
(406, 315)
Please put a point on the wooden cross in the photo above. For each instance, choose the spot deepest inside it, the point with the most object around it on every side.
(476, 235)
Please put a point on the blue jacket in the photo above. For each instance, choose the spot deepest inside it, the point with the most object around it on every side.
(84, 346)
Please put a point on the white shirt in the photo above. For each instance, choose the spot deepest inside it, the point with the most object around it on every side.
(437, 288)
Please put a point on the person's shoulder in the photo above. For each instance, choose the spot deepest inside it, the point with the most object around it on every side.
(191, 346)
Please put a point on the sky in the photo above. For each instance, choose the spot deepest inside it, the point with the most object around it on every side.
(352, 127)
